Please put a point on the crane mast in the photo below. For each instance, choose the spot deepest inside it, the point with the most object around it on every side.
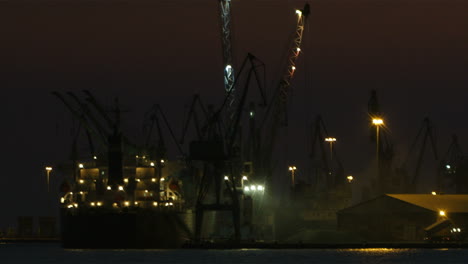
(229, 80)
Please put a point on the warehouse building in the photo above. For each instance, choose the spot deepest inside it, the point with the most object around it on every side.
(407, 217)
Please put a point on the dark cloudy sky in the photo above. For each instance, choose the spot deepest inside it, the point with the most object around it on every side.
(413, 52)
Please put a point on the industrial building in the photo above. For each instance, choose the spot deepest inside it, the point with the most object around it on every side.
(407, 217)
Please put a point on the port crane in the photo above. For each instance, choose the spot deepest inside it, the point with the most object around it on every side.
(329, 170)
(216, 151)
(108, 134)
(276, 112)
(425, 133)
(228, 71)
(449, 177)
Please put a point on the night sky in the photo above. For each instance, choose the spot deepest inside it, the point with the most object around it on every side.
(413, 52)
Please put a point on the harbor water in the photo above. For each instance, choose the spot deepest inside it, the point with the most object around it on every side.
(11, 253)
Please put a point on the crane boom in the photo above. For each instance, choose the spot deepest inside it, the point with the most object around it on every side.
(276, 114)
(280, 100)
(229, 76)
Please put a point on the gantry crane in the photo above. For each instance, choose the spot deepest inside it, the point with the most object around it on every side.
(216, 150)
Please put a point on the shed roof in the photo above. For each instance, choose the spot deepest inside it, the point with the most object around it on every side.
(455, 203)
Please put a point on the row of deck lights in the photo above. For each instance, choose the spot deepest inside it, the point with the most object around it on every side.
(126, 203)
(81, 181)
(81, 165)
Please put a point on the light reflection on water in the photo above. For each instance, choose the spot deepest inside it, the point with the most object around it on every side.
(53, 253)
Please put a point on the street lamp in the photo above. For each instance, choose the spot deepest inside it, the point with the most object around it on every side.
(331, 140)
(48, 170)
(292, 169)
(244, 178)
(377, 122)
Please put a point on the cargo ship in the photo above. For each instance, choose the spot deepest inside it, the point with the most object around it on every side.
(124, 202)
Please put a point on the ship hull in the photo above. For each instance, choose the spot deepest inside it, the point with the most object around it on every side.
(139, 229)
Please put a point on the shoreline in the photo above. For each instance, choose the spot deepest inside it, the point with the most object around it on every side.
(274, 245)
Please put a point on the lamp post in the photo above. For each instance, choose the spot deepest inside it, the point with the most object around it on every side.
(377, 122)
(292, 169)
(331, 140)
(244, 178)
(48, 170)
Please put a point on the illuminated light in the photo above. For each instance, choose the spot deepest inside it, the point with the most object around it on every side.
(166, 204)
(293, 67)
(292, 168)
(126, 203)
(109, 188)
(441, 213)
(162, 179)
(70, 206)
(244, 178)
(447, 166)
(377, 121)
(152, 164)
(246, 189)
(171, 204)
(62, 200)
(153, 179)
(120, 188)
(126, 180)
(162, 161)
(71, 193)
(260, 188)
(146, 191)
(99, 203)
(93, 204)
(434, 193)
(80, 166)
(155, 203)
(94, 157)
(136, 156)
(350, 178)
(298, 49)
(226, 178)
(81, 193)
(251, 113)
(75, 205)
(81, 181)
(298, 12)
(144, 157)
(330, 139)
(253, 187)
(114, 205)
(48, 168)
(136, 203)
(458, 229)
(228, 67)
(138, 180)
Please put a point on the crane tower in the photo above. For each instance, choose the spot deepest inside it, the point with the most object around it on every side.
(225, 15)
